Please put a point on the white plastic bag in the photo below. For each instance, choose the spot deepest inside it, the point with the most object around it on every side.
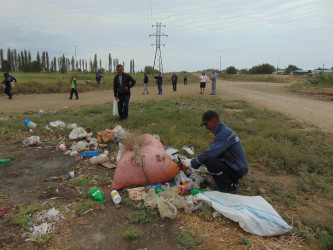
(100, 158)
(32, 141)
(57, 124)
(253, 213)
(115, 107)
(77, 133)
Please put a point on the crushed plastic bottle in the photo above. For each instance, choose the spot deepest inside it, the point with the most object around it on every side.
(115, 196)
(96, 194)
(30, 124)
(196, 190)
(4, 161)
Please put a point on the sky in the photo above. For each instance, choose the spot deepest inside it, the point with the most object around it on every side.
(196, 35)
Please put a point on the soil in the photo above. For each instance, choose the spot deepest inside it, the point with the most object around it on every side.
(29, 176)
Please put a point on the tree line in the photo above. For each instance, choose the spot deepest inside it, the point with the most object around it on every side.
(22, 62)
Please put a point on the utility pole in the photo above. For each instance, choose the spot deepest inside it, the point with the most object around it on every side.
(220, 63)
(158, 54)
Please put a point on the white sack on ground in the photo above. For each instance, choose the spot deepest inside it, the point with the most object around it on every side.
(253, 213)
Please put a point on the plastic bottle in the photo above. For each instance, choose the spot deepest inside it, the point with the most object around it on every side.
(96, 194)
(115, 196)
(4, 161)
(196, 190)
(158, 190)
(30, 123)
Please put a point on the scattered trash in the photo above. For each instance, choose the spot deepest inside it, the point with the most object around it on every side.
(188, 150)
(80, 146)
(31, 141)
(157, 137)
(57, 124)
(5, 210)
(63, 147)
(41, 111)
(49, 215)
(30, 124)
(115, 107)
(90, 153)
(115, 196)
(108, 165)
(71, 174)
(4, 161)
(136, 194)
(73, 153)
(77, 133)
(96, 194)
(71, 126)
(105, 136)
(173, 153)
(100, 158)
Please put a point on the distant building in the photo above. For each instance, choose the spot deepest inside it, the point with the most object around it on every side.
(325, 71)
(301, 72)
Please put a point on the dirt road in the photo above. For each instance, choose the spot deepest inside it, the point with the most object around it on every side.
(273, 96)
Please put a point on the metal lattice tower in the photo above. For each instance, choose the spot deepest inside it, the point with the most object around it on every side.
(158, 54)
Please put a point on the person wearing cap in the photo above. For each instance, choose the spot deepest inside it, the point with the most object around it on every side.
(74, 88)
(225, 157)
(8, 84)
(122, 83)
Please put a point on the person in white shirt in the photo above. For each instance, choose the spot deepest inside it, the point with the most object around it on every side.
(203, 80)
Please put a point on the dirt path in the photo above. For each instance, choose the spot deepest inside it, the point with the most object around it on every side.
(273, 96)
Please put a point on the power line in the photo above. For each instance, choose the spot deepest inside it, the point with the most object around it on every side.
(158, 54)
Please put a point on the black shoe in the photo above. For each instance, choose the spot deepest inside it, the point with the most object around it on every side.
(229, 189)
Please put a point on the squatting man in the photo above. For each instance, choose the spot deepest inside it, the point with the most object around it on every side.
(225, 157)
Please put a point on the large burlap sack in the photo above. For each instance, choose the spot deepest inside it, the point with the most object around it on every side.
(147, 164)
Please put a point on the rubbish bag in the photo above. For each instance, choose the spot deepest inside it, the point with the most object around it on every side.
(100, 158)
(115, 107)
(156, 167)
(253, 213)
(166, 208)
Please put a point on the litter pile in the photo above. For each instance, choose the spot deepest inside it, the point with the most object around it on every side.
(162, 179)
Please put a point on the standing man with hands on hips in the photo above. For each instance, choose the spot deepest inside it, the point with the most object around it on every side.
(122, 83)
(225, 157)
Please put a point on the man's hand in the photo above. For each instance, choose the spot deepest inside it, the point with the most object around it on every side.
(116, 97)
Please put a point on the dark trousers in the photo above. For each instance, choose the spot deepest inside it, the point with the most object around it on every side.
(74, 90)
(123, 106)
(174, 86)
(185, 81)
(223, 175)
(159, 88)
(8, 91)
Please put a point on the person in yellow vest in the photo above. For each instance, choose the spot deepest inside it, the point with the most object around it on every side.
(74, 88)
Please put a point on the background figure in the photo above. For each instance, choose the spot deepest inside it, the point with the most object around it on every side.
(203, 80)
(8, 84)
(122, 83)
(145, 84)
(213, 78)
(98, 78)
(74, 88)
(159, 79)
(185, 78)
(174, 79)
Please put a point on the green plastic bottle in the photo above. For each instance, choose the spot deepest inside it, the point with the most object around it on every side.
(158, 190)
(96, 194)
(196, 190)
(4, 161)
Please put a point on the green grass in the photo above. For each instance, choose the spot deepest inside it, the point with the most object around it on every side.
(87, 204)
(244, 241)
(318, 81)
(189, 241)
(142, 215)
(24, 216)
(132, 233)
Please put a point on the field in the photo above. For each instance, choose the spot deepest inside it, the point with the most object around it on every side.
(290, 166)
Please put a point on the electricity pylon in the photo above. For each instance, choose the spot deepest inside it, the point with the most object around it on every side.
(158, 54)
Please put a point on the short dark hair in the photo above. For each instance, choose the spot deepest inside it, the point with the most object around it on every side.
(119, 65)
(210, 114)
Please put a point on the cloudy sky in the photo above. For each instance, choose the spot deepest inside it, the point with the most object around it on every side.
(200, 34)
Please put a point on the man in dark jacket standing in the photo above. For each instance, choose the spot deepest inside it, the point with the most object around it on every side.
(174, 79)
(8, 84)
(122, 83)
(225, 157)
